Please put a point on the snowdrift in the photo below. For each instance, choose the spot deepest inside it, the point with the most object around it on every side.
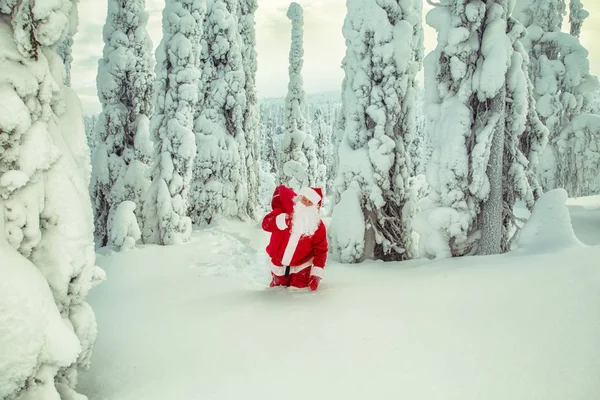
(549, 227)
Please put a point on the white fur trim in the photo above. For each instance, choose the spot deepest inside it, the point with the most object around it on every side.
(317, 271)
(280, 271)
(310, 194)
(290, 249)
(280, 221)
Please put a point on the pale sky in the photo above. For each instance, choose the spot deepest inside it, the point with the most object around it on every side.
(323, 44)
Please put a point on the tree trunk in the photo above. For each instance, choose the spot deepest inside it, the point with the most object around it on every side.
(491, 220)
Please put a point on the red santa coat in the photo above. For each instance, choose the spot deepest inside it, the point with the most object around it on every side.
(293, 250)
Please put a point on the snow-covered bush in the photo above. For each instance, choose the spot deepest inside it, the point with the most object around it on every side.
(177, 78)
(124, 230)
(384, 53)
(45, 207)
(220, 184)
(293, 163)
(125, 83)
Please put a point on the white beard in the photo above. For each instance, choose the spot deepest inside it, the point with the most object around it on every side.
(305, 220)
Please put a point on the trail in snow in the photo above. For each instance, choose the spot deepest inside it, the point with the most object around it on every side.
(198, 322)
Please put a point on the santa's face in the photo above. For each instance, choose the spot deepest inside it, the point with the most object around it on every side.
(306, 217)
(306, 201)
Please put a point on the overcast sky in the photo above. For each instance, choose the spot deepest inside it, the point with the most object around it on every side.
(323, 44)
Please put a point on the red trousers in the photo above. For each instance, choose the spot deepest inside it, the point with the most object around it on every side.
(299, 279)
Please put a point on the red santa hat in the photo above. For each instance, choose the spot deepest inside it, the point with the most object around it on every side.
(313, 194)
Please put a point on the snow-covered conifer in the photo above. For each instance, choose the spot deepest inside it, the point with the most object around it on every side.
(252, 131)
(293, 162)
(309, 148)
(579, 154)
(338, 134)
(577, 15)
(65, 47)
(45, 209)
(90, 122)
(269, 152)
(323, 141)
(479, 104)
(383, 55)
(559, 71)
(420, 147)
(177, 81)
(220, 180)
(125, 83)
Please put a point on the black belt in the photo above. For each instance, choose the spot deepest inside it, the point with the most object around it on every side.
(287, 271)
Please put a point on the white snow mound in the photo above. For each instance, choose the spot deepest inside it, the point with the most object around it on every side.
(30, 325)
(549, 228)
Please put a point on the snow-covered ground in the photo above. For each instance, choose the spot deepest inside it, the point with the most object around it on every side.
(197, 322)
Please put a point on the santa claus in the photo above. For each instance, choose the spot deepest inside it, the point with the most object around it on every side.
(298, 245)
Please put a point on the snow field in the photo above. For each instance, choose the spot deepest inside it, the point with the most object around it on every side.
(197, 321)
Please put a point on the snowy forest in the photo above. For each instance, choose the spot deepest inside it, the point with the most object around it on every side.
(486, 145)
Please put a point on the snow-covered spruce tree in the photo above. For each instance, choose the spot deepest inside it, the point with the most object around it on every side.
(309, 148)
(420, 148)
(594, 106)
(268, 171)
(339, 128)
(559, 70)
(220, 179)
(580, 144)
(46, 227)
(525, 138)
(478, 104)
(125, 83)
(324, 146)
(577, 15)
(293, 162)
(90, 122)
(384, 53)
(177, 80)
(65, 47)
(269, 153)
(252, 131)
